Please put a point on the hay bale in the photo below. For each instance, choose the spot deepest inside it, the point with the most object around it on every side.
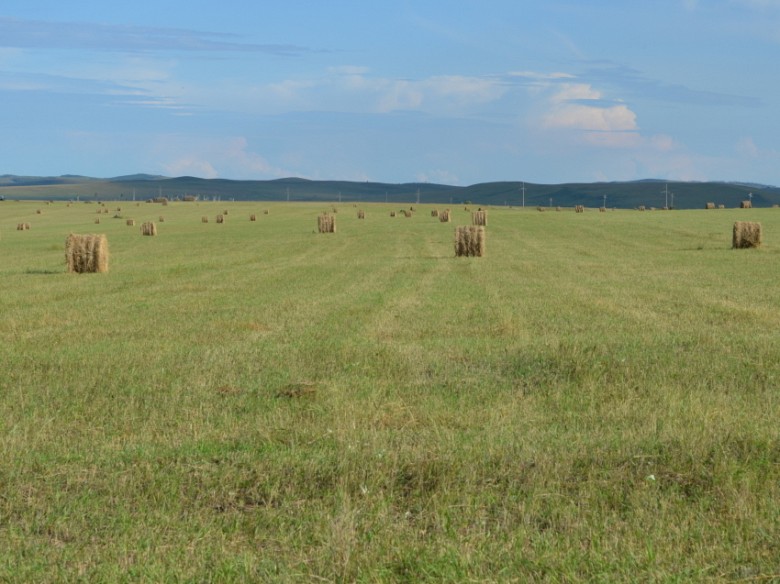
(746, 205)
(188, 198)
(470, 241)
(220, 218)
(579, 208)
(721, 206)
(225, 212)
(38, 212)
(479, 218)
(130, 222)
(326, 223)
(22, 226)
(709, 206)
(641, 207)
(97, 220)
(746, 234)
(148, 228)
(86, 253)
(361, 214)
(540, 209)
(392, 213)
(162, 219)
(444, 216)
(407, 214)
(602, 209)
(204, 219)
(253, 217)
(266, 211)
(434, 213)
(558, 209)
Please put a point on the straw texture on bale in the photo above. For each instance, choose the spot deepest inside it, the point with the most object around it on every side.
(641, 207)
(602, 209)
(721, 206)
(22, 226)
(709, 206)
(162, 219)
(746, 205)
(86, 253)
(579, 208)
(204, 219)
(326, 223)
(220, 218)
(148, 228)
(361, 214)
(434, 213)
(407, 214)
(444, 216)
(97, 220)
(130, 222)
(470, 241)
(746, 234)
(253, 217)
(479, 218)
(38, 212)
(392, 213)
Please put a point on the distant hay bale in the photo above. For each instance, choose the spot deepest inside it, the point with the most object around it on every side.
(253, 217)
(204, 219)
(392, 213)
(407, 214)
(22, 226)
(558, 209)
(266, 211)
(188, 198)
(721, 206)
(326, 223)
(434, 213)
(602, 209)
(709, 206)
(148, 228)
(479, 218)
(470, 241)
(444, 216)
(746, 234)
(746, 205)
(161, 219)
(130, 222)
(97, 220)
(540, 209)
(38, 212)
(86, 253)
(163, 200)
(641, 207)
(579, 208)
(220, 218)
(361, 214)
(225, 212)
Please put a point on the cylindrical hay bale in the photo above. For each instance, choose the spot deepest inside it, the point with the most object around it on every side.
(641, 207)
(162, 219)
(266, 211)
(540, 209)
(220, 218)
(38, 212)
(149, 228)
(746, 205)
(721, 206)
(479, 218)
(444, 216)
(407, 214)
(130, 222)
(470, 241)
(326, 223)
(204, 219)
(709, 206)
(579, 208)
(392, 213)
(23, 227)
(746, 234)
(435, 213)
(602, 209)
(105, 211)
(97, 219)
(253, 217)
(225, 212)
(86, 253)
(361, 214)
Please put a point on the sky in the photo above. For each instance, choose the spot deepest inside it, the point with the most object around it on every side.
(442, 91)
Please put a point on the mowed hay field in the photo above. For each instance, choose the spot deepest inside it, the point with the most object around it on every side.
(596, 399)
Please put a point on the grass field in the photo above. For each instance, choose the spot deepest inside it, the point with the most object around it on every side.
(594, 400)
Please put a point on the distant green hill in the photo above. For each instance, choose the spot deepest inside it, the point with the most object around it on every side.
(140, 187)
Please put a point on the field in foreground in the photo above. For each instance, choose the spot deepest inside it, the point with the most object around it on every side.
(594, 400)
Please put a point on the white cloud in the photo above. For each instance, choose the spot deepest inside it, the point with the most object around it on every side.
(189, 166)
(438, 176)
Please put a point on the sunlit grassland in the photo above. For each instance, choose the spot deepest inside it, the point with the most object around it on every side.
(596, 399)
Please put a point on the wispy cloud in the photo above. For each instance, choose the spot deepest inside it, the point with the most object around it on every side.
(40, 34)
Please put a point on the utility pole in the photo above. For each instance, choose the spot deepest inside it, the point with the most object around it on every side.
(666, 199)
(523, 189)
(605, 202)
(418, 196)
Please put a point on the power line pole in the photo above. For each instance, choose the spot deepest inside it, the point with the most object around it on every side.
(523, 189)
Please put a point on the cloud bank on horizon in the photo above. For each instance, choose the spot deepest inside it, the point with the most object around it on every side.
(409, 91)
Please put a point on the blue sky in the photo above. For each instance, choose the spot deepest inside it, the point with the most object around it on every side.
(438, 91)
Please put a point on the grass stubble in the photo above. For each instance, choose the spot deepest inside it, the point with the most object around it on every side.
(591, 401)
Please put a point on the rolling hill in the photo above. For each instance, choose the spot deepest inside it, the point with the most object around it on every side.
(650, 193)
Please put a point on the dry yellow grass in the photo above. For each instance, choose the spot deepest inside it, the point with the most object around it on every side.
(746, 234)
(470, 241)
(86, 253)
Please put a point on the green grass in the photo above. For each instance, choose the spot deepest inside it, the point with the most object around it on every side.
(594, 400)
